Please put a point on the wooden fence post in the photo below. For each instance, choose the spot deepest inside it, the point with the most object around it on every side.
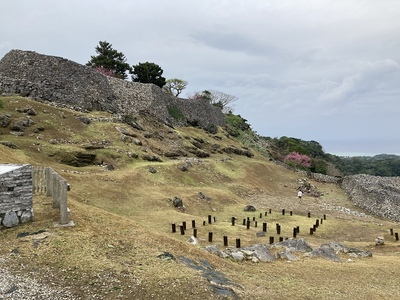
(210, 236)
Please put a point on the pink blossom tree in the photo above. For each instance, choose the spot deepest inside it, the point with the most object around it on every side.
(105, 71)
(296, 159)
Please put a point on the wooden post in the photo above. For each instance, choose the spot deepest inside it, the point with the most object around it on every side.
(173, 227)
(396, 235)
(260, 215)
(210, 236)
(270, 210)
(311, 231)
(271, 239)
(255, 224)
(195, 232)
(237, 243)
(291, 213)
(314, 228)
(233, 221)
(209, 219)
(322, 220)
(265, 227)
(248, 224)
(281, 238)
(298, 229)
(283, 211)
(244, 221)
(182, 230)
(324, 217)
(294, 232)
(215, 219)
(265, 213)
(254, 218)
(391, 231)
(278, 229)
(309, 214)
(193, 223)
(204, 223)
(317, 223)
(184, 225)
(225, 241)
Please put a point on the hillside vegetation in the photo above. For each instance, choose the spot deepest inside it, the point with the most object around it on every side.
(124, 176)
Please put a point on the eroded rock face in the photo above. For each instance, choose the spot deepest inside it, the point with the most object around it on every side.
(378, 195)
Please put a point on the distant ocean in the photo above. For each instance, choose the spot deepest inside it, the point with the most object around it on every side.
(361, 148)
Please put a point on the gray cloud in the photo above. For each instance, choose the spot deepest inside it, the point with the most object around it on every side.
(316, 70)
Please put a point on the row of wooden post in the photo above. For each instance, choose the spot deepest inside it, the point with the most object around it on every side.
(246, 222)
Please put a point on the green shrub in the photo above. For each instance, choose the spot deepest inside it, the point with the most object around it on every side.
(175, 113)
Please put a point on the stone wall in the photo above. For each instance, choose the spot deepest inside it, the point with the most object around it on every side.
(16, 195)
(68, 84)
(378, 195)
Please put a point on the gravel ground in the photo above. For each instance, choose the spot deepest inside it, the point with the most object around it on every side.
(22, 287)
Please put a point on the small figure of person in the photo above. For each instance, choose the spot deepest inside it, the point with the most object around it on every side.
(299, 194)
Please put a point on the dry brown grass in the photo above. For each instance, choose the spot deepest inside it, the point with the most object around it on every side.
(123, 222)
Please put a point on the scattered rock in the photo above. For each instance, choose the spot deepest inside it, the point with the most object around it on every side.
(250, 208)
(203, 196)
(5, 120)
(166, 256)
(192, 240)
(379, 241)
(177, 202)
(10, 219)
(84, 120)
(9, 145)
(151, 158)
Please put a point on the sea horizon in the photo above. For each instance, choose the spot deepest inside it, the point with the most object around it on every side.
(361, 148)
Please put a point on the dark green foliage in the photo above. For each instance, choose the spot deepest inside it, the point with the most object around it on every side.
(235, 124)
(1, 104)
(319, 166)
(109, 60)
(148, 73)
(289, 144)
(175, 113)
(379, 165)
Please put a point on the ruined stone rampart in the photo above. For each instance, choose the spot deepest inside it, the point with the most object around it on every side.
(378, 195)
(69, 84)
(15, 194)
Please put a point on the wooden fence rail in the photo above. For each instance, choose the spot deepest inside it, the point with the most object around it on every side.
(46, 180)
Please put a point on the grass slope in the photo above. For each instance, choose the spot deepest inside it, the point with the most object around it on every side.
(123, 218)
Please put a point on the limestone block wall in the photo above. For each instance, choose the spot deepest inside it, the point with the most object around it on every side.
(65, 83)
(378, 195)
(15, 194)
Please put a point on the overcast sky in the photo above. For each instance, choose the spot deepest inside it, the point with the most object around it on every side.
(327, 71)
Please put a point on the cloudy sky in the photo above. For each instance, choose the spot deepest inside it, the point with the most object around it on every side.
(327, 71)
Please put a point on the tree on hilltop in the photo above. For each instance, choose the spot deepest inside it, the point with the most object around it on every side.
(175, 86)
(109, 61)
(217, 98)
(148, 73)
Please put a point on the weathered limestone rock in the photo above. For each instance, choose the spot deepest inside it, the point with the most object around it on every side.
(10, 219)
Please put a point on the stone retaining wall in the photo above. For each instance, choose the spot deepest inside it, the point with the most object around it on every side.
(15, 195)
(68, 84)
(378, 195)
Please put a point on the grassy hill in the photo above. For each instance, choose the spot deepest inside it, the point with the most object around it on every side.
(123, 217)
